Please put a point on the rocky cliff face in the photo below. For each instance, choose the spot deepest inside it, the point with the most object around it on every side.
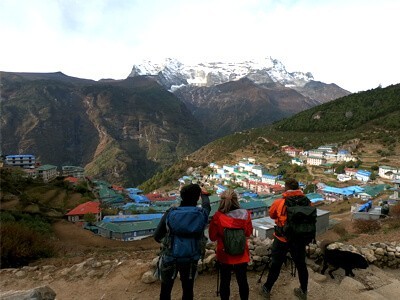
(122, 131)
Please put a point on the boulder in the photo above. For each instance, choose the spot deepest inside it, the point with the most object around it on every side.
(38, 293)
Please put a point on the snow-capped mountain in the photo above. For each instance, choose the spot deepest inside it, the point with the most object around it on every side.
(173, 74)
(231, 96)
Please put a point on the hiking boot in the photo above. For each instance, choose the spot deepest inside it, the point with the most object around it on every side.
(300, 294)
(265, 293)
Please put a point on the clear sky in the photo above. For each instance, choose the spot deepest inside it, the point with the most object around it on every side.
(353, 43)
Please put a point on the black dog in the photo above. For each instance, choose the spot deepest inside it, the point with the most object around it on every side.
(342, 259)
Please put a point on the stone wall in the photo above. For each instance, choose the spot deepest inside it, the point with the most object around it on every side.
(379, 254)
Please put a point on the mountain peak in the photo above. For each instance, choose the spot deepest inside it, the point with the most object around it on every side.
(174, 74)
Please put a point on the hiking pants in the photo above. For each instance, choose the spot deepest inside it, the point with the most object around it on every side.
(187, 272)
(278, 256)
(240, 271)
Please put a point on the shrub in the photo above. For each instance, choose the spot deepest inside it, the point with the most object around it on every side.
(340, 230)
(395, 211)
(21, 245)
(366, 226)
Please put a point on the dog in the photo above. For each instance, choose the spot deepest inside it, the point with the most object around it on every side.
(346, 260)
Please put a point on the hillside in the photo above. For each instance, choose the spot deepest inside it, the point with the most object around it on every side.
(122, 131)
(365, 123)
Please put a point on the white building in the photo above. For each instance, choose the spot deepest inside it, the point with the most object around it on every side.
(269, 178)
(47, 172)
(363, 175)
(315, 160)
(21, 160)
(316, 153)
(297, 161)
(73, 171)
(257, 170)
(388, 172)
(229, 168)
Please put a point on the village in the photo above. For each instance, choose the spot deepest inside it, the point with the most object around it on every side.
(128, 214)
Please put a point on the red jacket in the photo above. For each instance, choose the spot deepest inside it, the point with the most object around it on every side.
(277, 212)
(238, 218)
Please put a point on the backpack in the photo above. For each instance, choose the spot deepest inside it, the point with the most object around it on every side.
(185, 241)
(234, 241)
(301, 220)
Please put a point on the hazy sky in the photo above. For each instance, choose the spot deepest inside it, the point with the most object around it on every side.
(353, 43)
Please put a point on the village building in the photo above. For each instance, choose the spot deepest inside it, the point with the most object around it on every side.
(297, 161)
(71, 180)
(315, 160)
(127, 231)
(47, 172)
(350, 171)
(363, 175)
(264, 227)
(316, 153)
(78, 213)
(343, 177)
(20, 160)
(258, 170)
(73, 171)
(396, 190)
(388, 172)
(292, 151)
(330, 148)
(344, 155)
(269, 178)
(228, 169)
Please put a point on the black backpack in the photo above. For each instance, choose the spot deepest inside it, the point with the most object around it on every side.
(301, 220)
(234, 241)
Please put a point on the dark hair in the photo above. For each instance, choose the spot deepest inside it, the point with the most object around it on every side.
(291, 184)
(190, 194)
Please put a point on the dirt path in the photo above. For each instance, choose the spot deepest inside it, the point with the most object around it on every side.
(75, 243)
(124, 282)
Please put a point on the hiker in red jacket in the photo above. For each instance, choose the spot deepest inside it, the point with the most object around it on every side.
(230, 215)
(281, 246)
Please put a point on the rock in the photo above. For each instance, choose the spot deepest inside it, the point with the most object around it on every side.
(209, 259)
(27, 268)
(89, 261)
(318, 277)
(148, 277)
(209, 252)
(20, 274)
(47, 277)
(262, 250)
(65, 272)
(94, 273)
(351, 284)
(154, 262)
(257, 258)
(39, 293)
(49, 268)
(371, 258)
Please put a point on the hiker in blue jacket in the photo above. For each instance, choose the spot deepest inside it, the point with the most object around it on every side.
(173, 258)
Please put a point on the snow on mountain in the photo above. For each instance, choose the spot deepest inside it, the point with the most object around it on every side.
(174, 74)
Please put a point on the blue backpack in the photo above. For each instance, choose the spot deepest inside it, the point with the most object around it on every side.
(184, 241)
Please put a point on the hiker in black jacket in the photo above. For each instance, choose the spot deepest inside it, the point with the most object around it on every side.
(169, 264)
